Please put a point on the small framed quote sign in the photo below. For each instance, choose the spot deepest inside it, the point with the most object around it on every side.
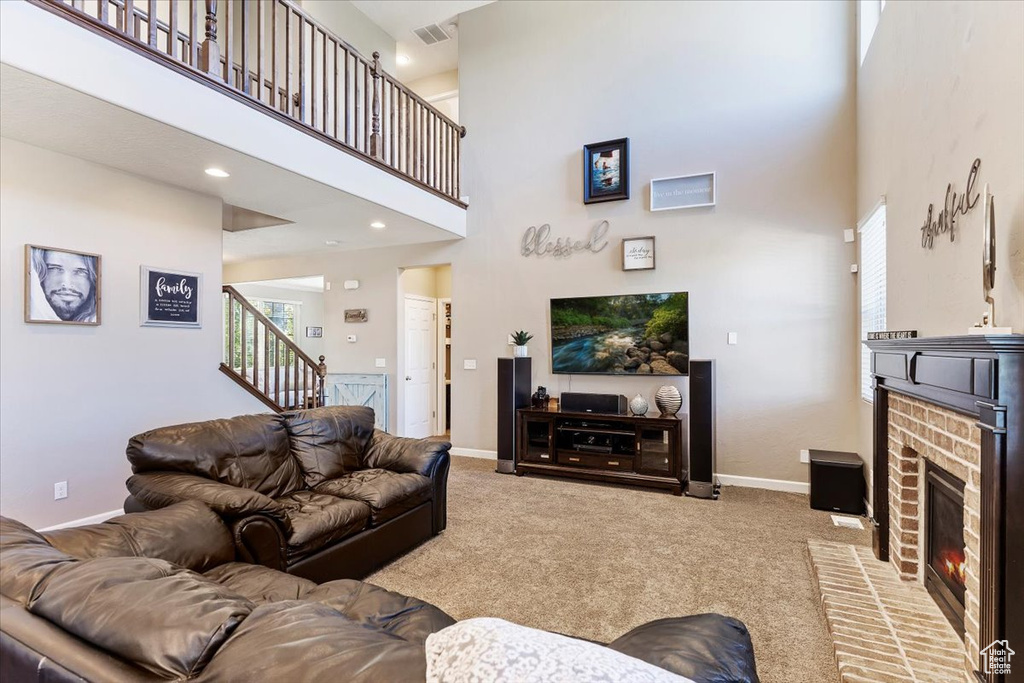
(638, 253)
(171, 298)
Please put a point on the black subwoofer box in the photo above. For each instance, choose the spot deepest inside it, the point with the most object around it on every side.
(837, 482)
(614, 404)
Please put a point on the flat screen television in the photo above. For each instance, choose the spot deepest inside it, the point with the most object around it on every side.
(631, 334)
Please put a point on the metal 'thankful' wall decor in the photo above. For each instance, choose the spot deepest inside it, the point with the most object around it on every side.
(536, 242)
(952, 207)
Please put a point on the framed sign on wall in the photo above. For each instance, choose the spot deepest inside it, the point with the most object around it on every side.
(683, 192)
(170, 298)
(638, 253)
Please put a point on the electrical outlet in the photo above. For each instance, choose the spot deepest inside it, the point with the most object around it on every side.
(732, 338)
(511, 341)
(380, 363)
(469, 364)
(805, 456)
(60, 490)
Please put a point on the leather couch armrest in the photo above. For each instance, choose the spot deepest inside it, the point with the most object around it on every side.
(706, 648)
(160, 489)
(401, 454)
(258, 540)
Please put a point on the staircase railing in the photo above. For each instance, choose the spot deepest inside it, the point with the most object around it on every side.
(264, 361)
(275, 57)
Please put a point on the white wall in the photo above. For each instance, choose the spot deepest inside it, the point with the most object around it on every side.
(72, 396)
(311, 311)
(762, 93)
(926, 109)
(348, 23)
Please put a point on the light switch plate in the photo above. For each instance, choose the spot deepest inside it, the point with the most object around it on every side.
(351, 339)
(380, 363)
(854, 268)
(60, 490)
(848, 235)
(733, 338)
(469, 364)
(511, 341)
(805, 456)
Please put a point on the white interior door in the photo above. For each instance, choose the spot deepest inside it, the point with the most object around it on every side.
(419, 365)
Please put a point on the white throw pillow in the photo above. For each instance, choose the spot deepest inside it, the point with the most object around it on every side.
(497, 651)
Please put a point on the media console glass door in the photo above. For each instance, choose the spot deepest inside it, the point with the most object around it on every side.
(656, 451)
(536, 439)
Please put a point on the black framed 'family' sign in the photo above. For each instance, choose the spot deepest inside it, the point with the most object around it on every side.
(171, 298)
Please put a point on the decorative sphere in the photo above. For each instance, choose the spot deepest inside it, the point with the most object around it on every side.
(638, 406)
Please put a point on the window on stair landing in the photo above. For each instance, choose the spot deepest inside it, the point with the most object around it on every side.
(872, 288)
(284, 314)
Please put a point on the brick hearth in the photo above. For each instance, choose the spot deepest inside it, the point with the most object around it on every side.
(884, 629)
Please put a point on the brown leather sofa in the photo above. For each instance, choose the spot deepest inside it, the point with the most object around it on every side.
(157, 595)
(317, 493)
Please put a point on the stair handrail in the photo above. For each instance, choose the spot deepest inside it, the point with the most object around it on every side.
(319, 368)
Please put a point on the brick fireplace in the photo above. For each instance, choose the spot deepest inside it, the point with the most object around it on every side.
(954, 406)
(920, 432)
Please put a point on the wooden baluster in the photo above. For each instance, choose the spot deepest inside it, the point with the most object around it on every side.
(324, 90)
(375, 140)
(172, 29)
(129, 18)
(151, 23)
(295, 375)
(321, 372)
(414, 138)
(367, 112)
(256, 351)
(393, 111)
(261, 26)
(357, 102)
(288, 61)
(231, 332)
(245, 344)
(302, 68)
(277, 369)
(245, 47)
(337, 93)
(102, 14)
(193, 35)
(458, 162)
(313, 108)
(209, 51)
(229, 44)
(275, 100)
(266, 359)
(284, 400)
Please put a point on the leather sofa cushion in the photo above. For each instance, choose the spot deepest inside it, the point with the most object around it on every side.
(329, 441)
(187, 534)
(249, 451)
(163, 618)
(388, 493)
(706, 648)
(258, 583)
(377, 608)
(313, 643)
(28, 560)
(318, 519)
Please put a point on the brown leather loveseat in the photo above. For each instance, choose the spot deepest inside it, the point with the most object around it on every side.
(317, 493)
(157, 595)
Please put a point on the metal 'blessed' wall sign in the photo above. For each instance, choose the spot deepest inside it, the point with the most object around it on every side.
(952, 207)
(537, 242)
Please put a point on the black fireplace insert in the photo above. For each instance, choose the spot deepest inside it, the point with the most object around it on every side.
(944, 572)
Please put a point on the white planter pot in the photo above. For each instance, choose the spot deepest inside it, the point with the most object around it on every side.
(521, 352)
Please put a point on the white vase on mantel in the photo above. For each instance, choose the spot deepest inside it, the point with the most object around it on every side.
(521, 351)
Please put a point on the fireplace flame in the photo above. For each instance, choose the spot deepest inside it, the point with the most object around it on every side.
(954, 566)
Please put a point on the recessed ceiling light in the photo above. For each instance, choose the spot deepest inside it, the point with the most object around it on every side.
(217, 173)
(403, 60)
(377, 225)
(332, 243)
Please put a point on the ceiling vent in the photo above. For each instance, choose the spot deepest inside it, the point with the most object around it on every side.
(431, 34)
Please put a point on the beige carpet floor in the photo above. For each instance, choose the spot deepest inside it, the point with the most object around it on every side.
(595, 561)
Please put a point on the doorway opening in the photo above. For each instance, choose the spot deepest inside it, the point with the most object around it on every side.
(424, 351)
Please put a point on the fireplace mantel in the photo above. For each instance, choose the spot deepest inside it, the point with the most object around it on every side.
(983, 377)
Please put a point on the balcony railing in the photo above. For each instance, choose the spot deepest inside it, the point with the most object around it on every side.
(274, 56)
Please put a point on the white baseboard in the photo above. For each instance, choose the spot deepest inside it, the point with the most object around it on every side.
(770, 484)
(475, 453)
(94, 519)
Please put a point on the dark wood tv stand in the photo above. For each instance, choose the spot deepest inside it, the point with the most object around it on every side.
(646, 451)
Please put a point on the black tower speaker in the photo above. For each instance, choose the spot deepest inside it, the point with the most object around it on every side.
(702, 482)
(514, 377)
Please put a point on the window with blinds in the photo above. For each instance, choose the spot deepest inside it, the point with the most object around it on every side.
(872, 288)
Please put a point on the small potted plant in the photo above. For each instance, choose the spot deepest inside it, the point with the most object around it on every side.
(520, 339)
